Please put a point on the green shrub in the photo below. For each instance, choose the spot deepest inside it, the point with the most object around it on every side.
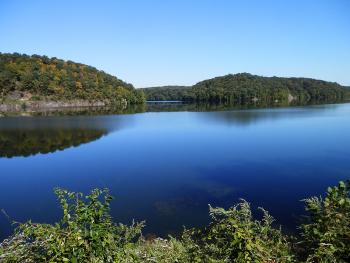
(158, 250)
(86, 233)
(326, 234)
(234, 236)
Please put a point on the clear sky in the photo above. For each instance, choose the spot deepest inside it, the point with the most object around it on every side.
(159, 42)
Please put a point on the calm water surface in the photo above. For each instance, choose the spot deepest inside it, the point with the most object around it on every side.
(166, 167)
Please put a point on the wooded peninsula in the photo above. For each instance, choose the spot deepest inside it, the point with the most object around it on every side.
(245, 88)
(39, 81)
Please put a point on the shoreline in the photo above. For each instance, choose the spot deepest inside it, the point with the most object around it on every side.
(33, 106)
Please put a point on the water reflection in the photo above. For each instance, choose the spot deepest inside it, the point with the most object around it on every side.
(74, 111)
(251, 116)
(26, 143)
(23, 136)
(155, 106)
(58, 130)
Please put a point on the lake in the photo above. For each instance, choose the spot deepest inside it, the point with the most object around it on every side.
(166, 167)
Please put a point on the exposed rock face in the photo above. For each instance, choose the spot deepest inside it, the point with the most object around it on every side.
(19, 96)
(14, 95)
(290, 98)
(26, 105)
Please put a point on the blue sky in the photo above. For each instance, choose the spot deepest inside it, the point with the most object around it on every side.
(159, 42)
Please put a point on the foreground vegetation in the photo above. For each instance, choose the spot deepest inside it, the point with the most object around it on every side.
(246, 88)
(86, 233)
(36, 78)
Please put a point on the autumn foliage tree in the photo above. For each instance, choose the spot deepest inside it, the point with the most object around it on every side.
(56, 79)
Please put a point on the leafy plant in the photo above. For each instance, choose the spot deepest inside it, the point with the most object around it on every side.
(234, 236)
(326, 233)
(86, 233)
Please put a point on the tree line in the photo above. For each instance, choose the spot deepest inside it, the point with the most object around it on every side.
(42, 78)
(245, 88)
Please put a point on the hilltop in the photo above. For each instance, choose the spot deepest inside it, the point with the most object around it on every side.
(245, 88)
(35, 78)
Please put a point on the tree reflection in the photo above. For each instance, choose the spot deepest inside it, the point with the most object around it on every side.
(26, 136)
(29, 142)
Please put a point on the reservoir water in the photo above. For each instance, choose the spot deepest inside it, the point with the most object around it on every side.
(166, 167)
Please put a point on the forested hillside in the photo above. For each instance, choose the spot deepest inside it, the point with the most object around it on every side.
(24, 77)
(40, 78)
(245, 88)
(166, 92)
